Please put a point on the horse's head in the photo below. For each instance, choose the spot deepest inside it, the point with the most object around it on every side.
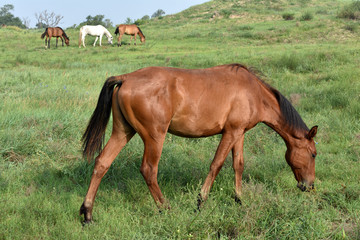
(300, 155)
(110, 40)
(67, 41)
(142, 39)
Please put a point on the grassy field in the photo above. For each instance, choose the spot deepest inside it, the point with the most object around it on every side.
(47, 97)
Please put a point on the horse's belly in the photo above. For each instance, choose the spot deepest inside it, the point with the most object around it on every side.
(187, 126)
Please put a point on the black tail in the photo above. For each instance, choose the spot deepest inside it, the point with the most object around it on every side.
(94, 135)
(43, 35)
(116, 30)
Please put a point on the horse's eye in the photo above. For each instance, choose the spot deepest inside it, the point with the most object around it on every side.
(313, 155)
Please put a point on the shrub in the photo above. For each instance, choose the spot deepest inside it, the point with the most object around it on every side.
(351, 11)
(351, 27)
(288, 16)
(306, 16)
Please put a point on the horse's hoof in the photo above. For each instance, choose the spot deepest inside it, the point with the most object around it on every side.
(238, 200)
(87, 215)
(200, 202)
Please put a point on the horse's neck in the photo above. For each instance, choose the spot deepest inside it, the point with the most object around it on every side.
(107, 33)
(273, 117)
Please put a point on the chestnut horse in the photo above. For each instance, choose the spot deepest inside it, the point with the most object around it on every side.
(132, 30)
(228, 100)
(57, 32)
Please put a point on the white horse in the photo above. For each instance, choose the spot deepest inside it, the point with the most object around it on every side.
(97, 31)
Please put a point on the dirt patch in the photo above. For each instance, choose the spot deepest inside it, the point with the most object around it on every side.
(14, 157)
(295, 98)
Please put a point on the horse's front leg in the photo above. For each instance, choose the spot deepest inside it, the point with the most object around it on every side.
(135, 39)
(62, 41)
(149, 167)
(100, 40)
(57, 39)
(238, 165)
(95, 40)
(227, 142)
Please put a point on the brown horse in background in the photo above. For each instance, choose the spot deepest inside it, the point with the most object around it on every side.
(57, 32)
(132, 30)
(228, 100)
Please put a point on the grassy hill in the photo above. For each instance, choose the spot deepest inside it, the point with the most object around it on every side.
(47, 97)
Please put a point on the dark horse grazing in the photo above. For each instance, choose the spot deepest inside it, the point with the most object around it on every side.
(227, 100)
(57, 32)
(132, 30)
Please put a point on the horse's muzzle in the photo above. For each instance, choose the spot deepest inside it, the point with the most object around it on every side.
(304, 187)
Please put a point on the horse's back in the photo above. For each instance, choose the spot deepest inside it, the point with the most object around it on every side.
(191, 103)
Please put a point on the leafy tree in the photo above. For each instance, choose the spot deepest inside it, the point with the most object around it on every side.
(128, 21)
(142, 20)
(96, 20)
(8, 18)
(158, 13)
(145, 18)
(108, 23)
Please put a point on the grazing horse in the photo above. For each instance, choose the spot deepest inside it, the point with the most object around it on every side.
(57, 32)
(97, 31)
(228, 100)
(132, 30)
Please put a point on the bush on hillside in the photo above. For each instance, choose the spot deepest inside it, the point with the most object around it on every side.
(307, 16)
(351, 27)
(351, 11)
(288, 16)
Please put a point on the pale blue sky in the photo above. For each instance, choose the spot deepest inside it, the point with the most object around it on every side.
(75, 12)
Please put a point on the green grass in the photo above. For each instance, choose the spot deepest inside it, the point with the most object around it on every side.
(47, 98)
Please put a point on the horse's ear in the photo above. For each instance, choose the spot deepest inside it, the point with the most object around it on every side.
(312, 133)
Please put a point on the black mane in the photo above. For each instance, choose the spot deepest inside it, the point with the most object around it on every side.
(141, 32)
(63, 32)
(290, 114)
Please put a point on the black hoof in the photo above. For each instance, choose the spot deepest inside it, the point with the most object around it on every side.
(87, 218)
(200, 201)
(238, 200)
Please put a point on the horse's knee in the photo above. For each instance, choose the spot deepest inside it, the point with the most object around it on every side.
(100, 168)
(148, 173)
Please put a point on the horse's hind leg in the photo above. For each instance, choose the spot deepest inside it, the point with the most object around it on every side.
(57, 39)
(121, 134)
(119, 39)
(83, 41)
(49, 42)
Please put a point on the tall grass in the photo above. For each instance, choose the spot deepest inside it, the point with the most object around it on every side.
(47, 97)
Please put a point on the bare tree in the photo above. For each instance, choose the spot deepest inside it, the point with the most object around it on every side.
(47, 19)
(26, 22)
